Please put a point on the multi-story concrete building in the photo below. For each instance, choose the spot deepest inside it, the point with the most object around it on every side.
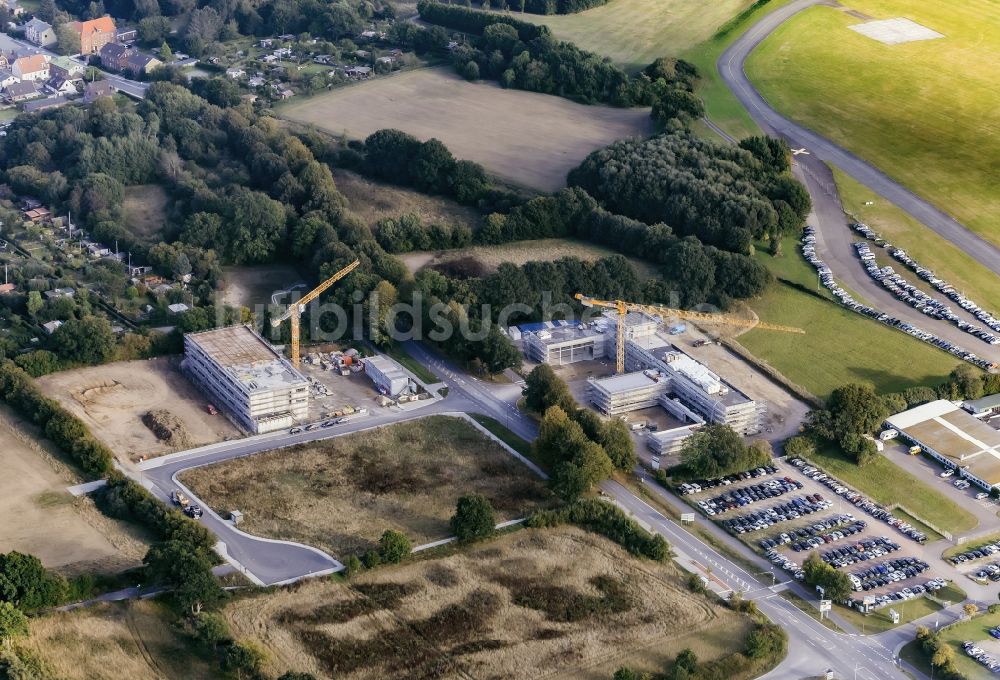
(246, 377)
(627, 392)
(388, 376)
(564, 345)
(669, 442)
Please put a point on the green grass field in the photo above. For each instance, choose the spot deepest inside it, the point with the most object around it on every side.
(889, 484)
(976, 629)
(634, 33)
(879, 621)
(971, 545)
(415, 367)
(924, 112)
(839, 346)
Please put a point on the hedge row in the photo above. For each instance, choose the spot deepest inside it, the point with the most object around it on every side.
(608, 520)
(63, 428)
(475, 21)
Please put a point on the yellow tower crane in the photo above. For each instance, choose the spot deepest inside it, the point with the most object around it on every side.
(623, 308)
(295, 310)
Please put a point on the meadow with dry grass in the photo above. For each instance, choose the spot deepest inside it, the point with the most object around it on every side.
(125, 641)
(340, 494)
(536, 603)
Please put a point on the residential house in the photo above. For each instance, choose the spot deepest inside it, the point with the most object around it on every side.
(6, 77)
(266, 43)
(39, 32)
(37, 214)
(282, 53)
(60, 85)
(5, 59)
(126, 34)
(45, 104)
(64, 67)
(286, 37)
(7, 288)
(95, 34)
(98, 89)
(269, 59)
(52, 326)
(323, 58)
(362, 54)
(358, 72)
(115, 56)
(139, 63)
(21, 90)
(235, 73)
(256, 81)
(56, 293)
(388, 61)
(282, 91)
(33, 67)
(178, 308)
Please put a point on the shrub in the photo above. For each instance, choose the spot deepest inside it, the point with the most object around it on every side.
(766, 640)
(608, 520)
(474, 518)
(394, 546)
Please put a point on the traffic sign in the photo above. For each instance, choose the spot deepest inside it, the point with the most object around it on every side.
(825, 606)
(687, 516)
(820, 590)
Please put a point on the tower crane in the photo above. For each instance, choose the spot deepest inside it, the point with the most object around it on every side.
(296, 308)
(622, 308)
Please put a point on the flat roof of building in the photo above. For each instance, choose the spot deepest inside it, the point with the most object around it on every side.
(990, 401)
(553, 336)
(246, 356)
(951, 432)
(626, 382)
(387, 367)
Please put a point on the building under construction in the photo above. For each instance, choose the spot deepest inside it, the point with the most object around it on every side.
(246, 377)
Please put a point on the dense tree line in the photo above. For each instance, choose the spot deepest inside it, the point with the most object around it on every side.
(525, 56)
(546, 6)
(608, 520)
(406, 233)
(717, 450)
(64, 429)
(725, 195)
(696, 273)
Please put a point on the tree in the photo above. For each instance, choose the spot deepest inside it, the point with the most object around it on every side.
(67, 40)
(26, 584)
(943, 656)
(89, 340)
(970, 609)
(836, 584)
(35, 302)
(186, 567)
(166, 55)
(210, 629)
(473, 519)
(543, 388)
(799, 447)
(851, 409)
(766, 640)
(559, 438)
(687, 660)
(498, 352)
(717, 450)
(13, 623)
(245, 659)
(394, 546)
(617, 443)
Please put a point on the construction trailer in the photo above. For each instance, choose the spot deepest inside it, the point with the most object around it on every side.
(246, 377)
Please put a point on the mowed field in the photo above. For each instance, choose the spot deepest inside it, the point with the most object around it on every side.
(125, 641)
(373, 201)
(924, 112)
(342, 493)
(839, 346)
(112, 399)
(42, 518)
(556, 603)
(519, 252)
(524, 138)
(146, 211)
(634, 33)
(253, 285)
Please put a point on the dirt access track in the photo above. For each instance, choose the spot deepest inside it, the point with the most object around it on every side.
(111, 400)
(41, 518)
(525, 138)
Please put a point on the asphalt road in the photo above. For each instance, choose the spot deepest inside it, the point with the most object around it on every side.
(731, 67)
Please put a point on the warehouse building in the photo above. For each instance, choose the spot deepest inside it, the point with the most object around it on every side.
(564, 344)
(627, 392)
(984, 408)
(242, 374)
(388, 376)
(955, 438)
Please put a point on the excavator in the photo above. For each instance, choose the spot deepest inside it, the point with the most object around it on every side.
(622, 308)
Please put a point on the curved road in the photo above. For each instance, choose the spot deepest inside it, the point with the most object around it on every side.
(731, 68)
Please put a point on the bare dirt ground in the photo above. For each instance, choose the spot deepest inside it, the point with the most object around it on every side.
(145, 211)
(114, 642)
(41, 518)
(525, 138)
(342, 493)
(252, 285)
(112, 399)
(373, 201)
(538, 603)
(519, 252)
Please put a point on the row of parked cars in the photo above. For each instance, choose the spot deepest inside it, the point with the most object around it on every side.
(860, 501)
(814, 535)
(899, 595)
(785, 563)
(890, 571)
(916, 298)
(762, 519)
(990, 571)
(706, 484)
(982, 657)
(826, 276)
(929, 276)
(862, 551)
(738, 498)
(976, 553)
